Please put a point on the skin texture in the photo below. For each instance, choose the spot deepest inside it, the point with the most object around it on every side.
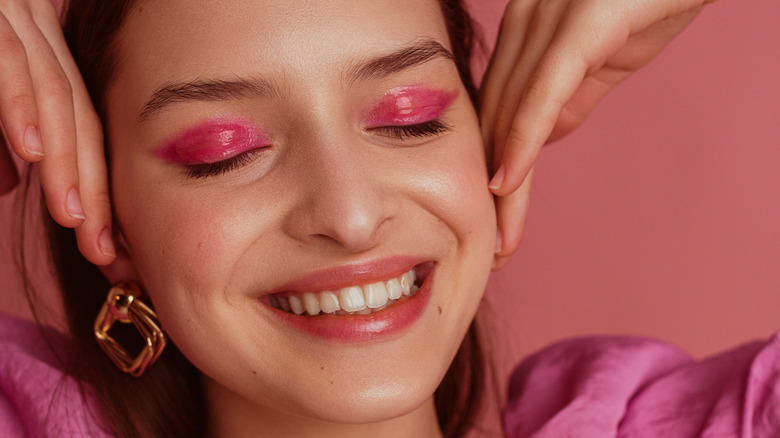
(331, 190)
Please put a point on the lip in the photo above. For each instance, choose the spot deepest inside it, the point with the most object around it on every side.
(350, 274)
(358, 328)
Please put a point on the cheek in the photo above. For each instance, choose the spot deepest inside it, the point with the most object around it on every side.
(457, 186)
(180, 238)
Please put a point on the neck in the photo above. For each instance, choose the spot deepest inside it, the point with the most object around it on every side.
(235, 417)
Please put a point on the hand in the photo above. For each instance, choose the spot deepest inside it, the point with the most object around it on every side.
(48, 118)
(554, 61)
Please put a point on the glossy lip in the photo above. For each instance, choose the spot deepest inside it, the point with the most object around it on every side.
(211, 141)
(358, 328)
(409, 106)
(351, 274)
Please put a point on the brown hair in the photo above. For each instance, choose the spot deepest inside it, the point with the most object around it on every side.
(168, 400)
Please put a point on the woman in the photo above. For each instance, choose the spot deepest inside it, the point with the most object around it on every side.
(349, 151)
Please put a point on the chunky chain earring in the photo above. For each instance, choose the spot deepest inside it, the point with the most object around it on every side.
(123, 305)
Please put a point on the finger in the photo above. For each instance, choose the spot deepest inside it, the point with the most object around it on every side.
(18, 113)
(94, 235)
(512, 212)
(54, 99)
(511, 37)
(542, 29)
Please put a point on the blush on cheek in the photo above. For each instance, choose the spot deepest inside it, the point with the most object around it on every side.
(212, 141)
(409, 106)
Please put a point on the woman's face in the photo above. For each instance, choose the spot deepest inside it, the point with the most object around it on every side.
(270, 151)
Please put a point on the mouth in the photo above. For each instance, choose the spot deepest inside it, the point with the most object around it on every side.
(359, 299)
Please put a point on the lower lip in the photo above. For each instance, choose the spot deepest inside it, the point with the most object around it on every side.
(362, 328)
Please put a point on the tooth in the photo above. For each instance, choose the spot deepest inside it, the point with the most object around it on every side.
(412, 276)
(284, 304)
(311, 303)
(381, 307)
(351, 299)
(394, 289)
(376, 295)
(296, 305)
(414, 289)
(366, 311)
(329, 302)
(343, 312)
(405, 285)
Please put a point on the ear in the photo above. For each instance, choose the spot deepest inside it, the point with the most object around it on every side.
(122, 268)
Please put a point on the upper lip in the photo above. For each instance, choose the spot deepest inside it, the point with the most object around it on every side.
(351, 274)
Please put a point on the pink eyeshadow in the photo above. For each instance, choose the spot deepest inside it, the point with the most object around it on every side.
(212, 141)
(409, 106)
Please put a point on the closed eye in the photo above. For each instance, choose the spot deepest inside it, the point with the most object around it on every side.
(421, 130)
(217, 168)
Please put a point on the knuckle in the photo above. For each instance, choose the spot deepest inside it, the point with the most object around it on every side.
(535, 87)
(56, 85)
(101, 199)
(20, 101)
(517, 137)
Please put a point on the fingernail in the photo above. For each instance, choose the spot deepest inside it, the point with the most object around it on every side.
(32, 141)
(106, 243)
(73, 205)
(499, 241)
(498, 179)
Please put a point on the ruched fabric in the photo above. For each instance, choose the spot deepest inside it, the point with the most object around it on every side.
(631, 387)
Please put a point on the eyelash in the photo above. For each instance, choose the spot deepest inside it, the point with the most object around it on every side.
(420, 130)
(401, 132)
(206, 170)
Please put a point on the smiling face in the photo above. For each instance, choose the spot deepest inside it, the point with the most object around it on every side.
(323, 158)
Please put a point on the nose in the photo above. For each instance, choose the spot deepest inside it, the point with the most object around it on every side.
(343, 200)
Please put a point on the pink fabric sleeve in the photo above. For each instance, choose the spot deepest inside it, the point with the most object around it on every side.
(632, 387)
(37, 399)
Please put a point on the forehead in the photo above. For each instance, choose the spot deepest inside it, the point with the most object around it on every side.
(164, 41)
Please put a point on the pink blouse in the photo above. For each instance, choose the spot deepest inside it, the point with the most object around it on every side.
(37, 399)
(631, 387)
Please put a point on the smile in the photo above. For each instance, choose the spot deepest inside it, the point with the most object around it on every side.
(351, 300)
(378, 299)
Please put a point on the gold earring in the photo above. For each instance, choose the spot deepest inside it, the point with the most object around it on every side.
(123, 305)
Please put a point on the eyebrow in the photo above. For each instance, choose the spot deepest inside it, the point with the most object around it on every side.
(407, 57)
(413, 55)
(207, 90)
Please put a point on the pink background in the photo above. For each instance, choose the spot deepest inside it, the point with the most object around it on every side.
(660, 215)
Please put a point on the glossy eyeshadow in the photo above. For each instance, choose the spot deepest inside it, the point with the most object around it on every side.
(404, 106)
(212, 141)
